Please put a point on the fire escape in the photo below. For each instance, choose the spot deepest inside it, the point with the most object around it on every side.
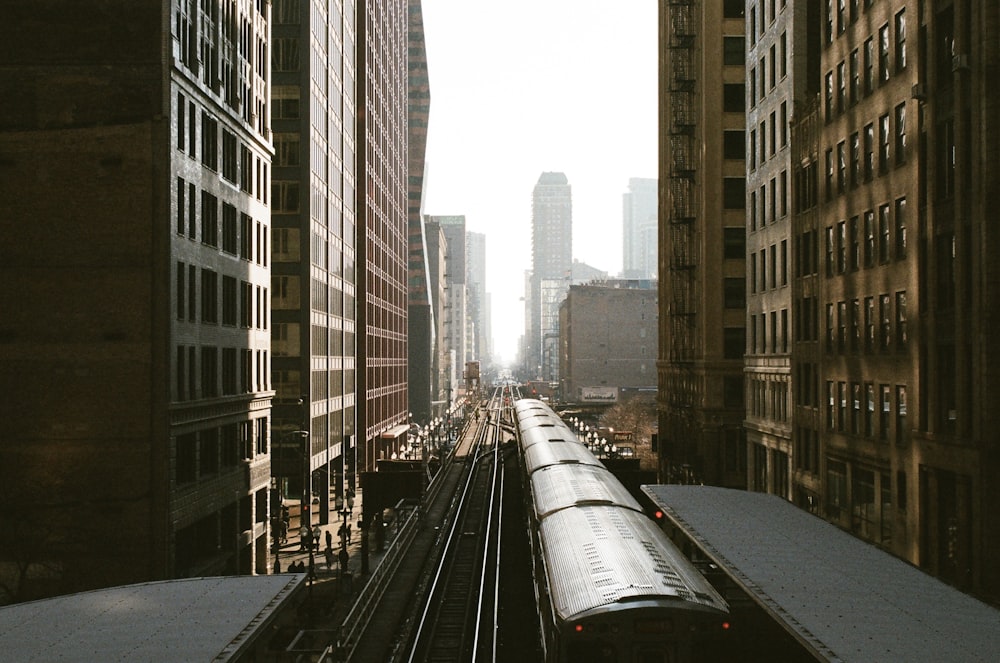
(682, 228)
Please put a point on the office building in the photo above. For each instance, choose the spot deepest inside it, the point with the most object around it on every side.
(607, 340)
(314, 275)
(136, 331)
(420, 312)
(902, 255)
(702, 273)
(382, 236)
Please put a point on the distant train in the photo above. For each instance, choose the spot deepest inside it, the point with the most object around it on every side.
(610, 585)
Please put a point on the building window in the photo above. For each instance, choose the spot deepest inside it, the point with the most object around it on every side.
(900, 413)
(855, 159)
(209, 372)
(841, 327)
(901, 40)
(841, 87)
(181, 206)
(869, 65)
(733, 97)
(285, 102)
(841, 247)
(209, 219)
(286, 149)
(869, 231)
(883, 143)
(855, 325)
(854, 252)
(841, 166)
(883, 53)
(733, 50)
(869, 152)
(230, 150)
(734, 293)
(733, 194)
(885, 412)
(901, 333)
(783, 54)
(831, 408)
(869, 428)
(733, 342)
(900, 133)
(830, 251)
(192, 210)
(733, 9)
(285, 196)
(829, 174)
(784, 123)
(209, 296)
(230, 295)
(284, 54)
(192, 292)
(854, 72)
(230, 233)
(869, 324)
(885, 323)
(828, 96)
(734, 145)
(883, 231)
(900, 228)
(209, 141)
(734, 243)
(181, 291)
(842, 410)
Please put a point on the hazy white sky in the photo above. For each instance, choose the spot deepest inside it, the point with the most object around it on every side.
(524, 86)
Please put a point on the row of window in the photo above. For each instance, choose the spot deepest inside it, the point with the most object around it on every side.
(861, 329)
(770, 202)
(768, 399)
(770, 142)
(773, 267)
(863, 415)
(862, 241)
(859, 75)
(209, 372)
(757, 24)
(206, 453)
(243, 303)
(761, 342)
(770, 68)
(855, 160)
(240, 166)
(240, 234)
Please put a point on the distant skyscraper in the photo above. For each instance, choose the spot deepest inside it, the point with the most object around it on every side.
(639, 229)
(475, 269)
(551, 270)
(456, 315)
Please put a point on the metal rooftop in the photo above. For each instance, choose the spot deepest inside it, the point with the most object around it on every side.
(197, 619)
(841, 597)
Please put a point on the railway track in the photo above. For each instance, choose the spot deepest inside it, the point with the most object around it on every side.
(458, 621)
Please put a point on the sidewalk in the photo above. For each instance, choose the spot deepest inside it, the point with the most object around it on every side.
(330, 595)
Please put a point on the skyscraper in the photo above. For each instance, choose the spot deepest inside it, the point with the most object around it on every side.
(551, 265)
(381, 241)
(135, 327)
(475, 268)
(420, 312)
(639, 229)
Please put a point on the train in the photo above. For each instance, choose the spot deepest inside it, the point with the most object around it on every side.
(609, 583)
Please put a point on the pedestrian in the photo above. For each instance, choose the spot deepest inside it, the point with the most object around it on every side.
(329, 539)
(282, 531)
(329, 558)
(277, 565)
(350, 502)
(344, 557)
(304, 535)
(348, 533)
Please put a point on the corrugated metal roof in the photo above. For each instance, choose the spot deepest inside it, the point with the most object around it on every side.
(599, 555)
(560, 486)
(197, 619)
(847, 599)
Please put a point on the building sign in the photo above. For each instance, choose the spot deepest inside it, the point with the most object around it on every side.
(599, 394)
(621, 436)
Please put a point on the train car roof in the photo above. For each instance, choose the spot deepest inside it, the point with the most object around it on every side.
(538, 456)
(840, 596)
(559, 486)
(196, 619)
(598, 556)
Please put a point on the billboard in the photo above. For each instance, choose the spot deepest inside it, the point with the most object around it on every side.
(599, 394)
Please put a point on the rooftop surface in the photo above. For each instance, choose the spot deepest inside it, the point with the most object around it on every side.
(844, 598)
(196, 619)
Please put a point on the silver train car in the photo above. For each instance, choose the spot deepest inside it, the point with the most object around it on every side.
(609, 583)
